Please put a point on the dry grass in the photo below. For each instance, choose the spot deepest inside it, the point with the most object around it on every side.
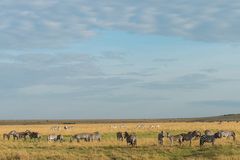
(109, 148)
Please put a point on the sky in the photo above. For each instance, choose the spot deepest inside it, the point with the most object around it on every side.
(111, 59)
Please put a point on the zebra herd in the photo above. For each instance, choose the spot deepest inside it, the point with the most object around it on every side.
(22, 135)
(131, 138)
(52, 137)
(87, 137)
(207, 137)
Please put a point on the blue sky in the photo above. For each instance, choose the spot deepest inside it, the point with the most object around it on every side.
(119, 59)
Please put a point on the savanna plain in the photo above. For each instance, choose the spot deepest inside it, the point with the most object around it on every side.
(110, 149)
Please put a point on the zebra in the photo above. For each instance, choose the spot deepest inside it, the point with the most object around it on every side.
(23, 135)
(209, 138)
(140, 126)
(13, 133)
(227, 134)
(81, 136)
(190, 136)
(67, 127)
(6, 136)
(53, 137)
(173, 138)
(95, 136)
(34, 135)
(119, 136)
(160, 137)
(54, 128)
(131, 139)
(17, 135)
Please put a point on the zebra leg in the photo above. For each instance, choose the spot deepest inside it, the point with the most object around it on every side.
(161, 142)
(180, 142)
(171, 141)
(234, 138)
(213, 143)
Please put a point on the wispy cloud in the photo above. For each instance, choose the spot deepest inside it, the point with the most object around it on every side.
(55, 23)
(79, 86)
(113, 55)
(185, 82)
(209, 70)
(44, 74)
(165, 60)
(22, 70)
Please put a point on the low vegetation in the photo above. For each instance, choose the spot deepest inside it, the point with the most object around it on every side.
(111, 149)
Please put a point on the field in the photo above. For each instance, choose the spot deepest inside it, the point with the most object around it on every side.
(110, 148)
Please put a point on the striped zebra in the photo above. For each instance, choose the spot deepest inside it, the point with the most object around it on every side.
(34, 135)
(190, 136)
(173, 138)
(227, 134)
(131, 139)
(119, 136)
(209, 138)
(13, 133)
(95, 136)
(18, 135)
(81, 136)
(160, 137)
(6, 136)
(53, 137)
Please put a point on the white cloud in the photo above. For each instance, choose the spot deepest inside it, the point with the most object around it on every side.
(56, 22)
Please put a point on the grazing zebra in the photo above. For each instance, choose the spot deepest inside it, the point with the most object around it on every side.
(6, 136)
(53, 137)
(55, 128)
(67, 127)
(227, 134)
(119, 136)
(18, 135)
(173, 138)
(160, 137)
(23, 135)
(208, 132)
(95, 136)
(34, 135)
(13, 133)
(81, 136)
(190, 136)
(197, 134)
(209, 138)
(131, 139)
(140, 126)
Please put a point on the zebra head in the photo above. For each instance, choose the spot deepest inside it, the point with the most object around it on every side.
(218, 135)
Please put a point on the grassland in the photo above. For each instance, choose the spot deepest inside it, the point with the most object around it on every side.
(109, 148)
